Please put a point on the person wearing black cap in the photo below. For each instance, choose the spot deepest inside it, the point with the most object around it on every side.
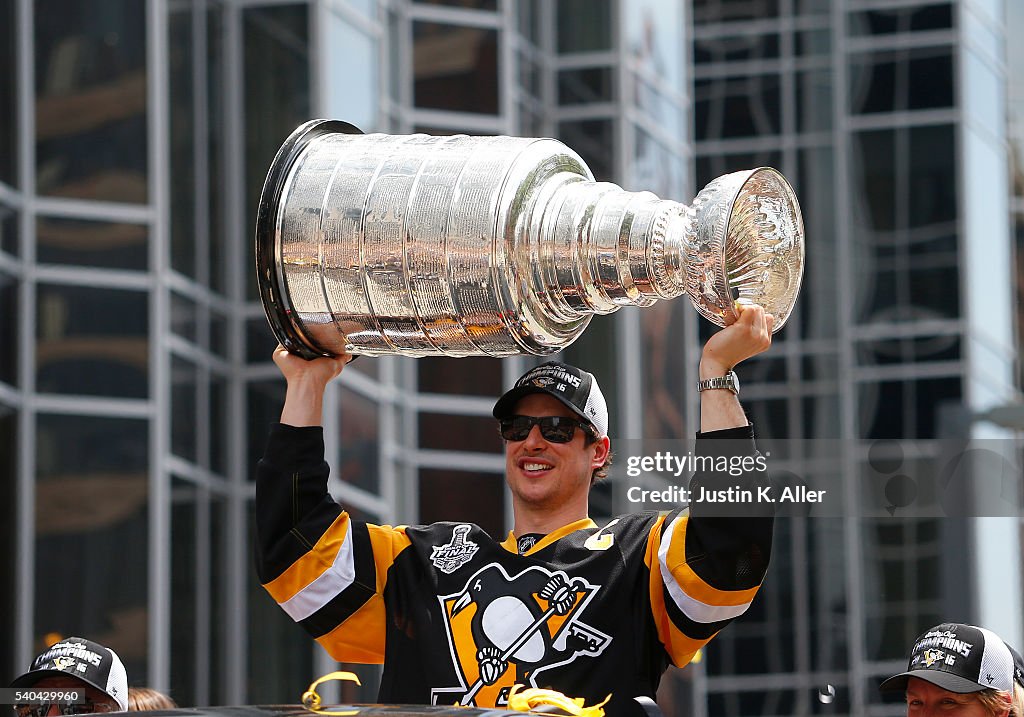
(561, 603)
(75, 663)
(961, 671)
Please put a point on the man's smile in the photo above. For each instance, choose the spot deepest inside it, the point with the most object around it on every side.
(534, 466)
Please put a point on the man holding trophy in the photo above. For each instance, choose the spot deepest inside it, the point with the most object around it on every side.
(456, 616)
(375, 244)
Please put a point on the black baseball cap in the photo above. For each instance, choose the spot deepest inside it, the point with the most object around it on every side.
(82, 659)
(959, 658)
(574, 387)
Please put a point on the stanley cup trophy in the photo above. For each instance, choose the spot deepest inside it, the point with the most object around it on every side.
(462, 246)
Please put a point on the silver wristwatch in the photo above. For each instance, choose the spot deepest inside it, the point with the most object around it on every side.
(729, 381)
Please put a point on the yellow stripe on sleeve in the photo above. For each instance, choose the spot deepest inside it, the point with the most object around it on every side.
(678, 645)
(312, 565)
(677, 563)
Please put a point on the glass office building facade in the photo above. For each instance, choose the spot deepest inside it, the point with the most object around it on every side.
(136, 384)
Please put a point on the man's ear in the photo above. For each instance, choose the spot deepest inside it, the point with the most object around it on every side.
(602, 447)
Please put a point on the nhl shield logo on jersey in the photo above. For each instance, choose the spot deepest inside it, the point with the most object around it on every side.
(506, 630)
(455, 553)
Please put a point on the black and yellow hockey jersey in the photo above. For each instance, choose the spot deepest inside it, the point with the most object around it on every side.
(460, 617)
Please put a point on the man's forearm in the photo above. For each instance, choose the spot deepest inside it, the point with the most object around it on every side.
(719, 407)
(303, 403)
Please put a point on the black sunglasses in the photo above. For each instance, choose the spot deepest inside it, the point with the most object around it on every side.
(41, 709)
(555, 429)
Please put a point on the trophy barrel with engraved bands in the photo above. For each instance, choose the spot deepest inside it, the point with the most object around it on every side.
(466, 246)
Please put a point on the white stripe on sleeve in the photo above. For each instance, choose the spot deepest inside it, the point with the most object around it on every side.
(325, 588)
(691, 607)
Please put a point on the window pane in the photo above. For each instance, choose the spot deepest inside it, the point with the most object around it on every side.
(814, 42)
(348, 94)
(455, 68)
(89, 243)
(184, 317)
(92, 523)
(213, 134)
(813, 183)
(276, 99)
(902, 20)
(594, 141)
(662, 327)
(459, 433)
(92, 341)
(259, 340)
(737, 48)
(184, 385)
(593, 351)
(584, 26)
(592, 84)
(8, 528)
(461, 496)
(737, 107)
(264, 408)
(712, 166)
(219, 332)
(899, 80)
(476, 4)
(186, 592)
(91, 100)
(9, 328)
(932, 188)
(280, 661)
(874, 157)
(655, 167)
(905, 409)
(814, 101)
(218, 424)
(530, 19)
(218, 650)
(724, 11)
(183, 136)
(8, 229)
(476, 376)
(8, 93)
(358, 442)
(909, 564)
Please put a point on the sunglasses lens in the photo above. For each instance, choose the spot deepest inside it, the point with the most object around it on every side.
(554, 429)
(516, 428)
(557, 429)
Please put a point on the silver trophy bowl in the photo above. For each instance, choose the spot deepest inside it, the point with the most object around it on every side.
(467, 246)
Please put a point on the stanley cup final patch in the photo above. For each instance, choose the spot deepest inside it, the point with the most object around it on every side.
(455, 553)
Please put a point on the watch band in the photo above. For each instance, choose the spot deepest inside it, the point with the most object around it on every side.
(729, 381)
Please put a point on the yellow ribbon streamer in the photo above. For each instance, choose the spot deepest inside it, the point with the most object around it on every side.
(311, 699)
(524, 700)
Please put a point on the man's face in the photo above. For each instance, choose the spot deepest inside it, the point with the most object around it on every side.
(546, 475)
(95, 700)
(925, 699)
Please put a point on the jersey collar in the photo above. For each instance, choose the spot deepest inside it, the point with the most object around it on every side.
(511, 546)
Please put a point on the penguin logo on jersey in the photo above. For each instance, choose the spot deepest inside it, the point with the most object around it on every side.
(506, 630)
(455, 553)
